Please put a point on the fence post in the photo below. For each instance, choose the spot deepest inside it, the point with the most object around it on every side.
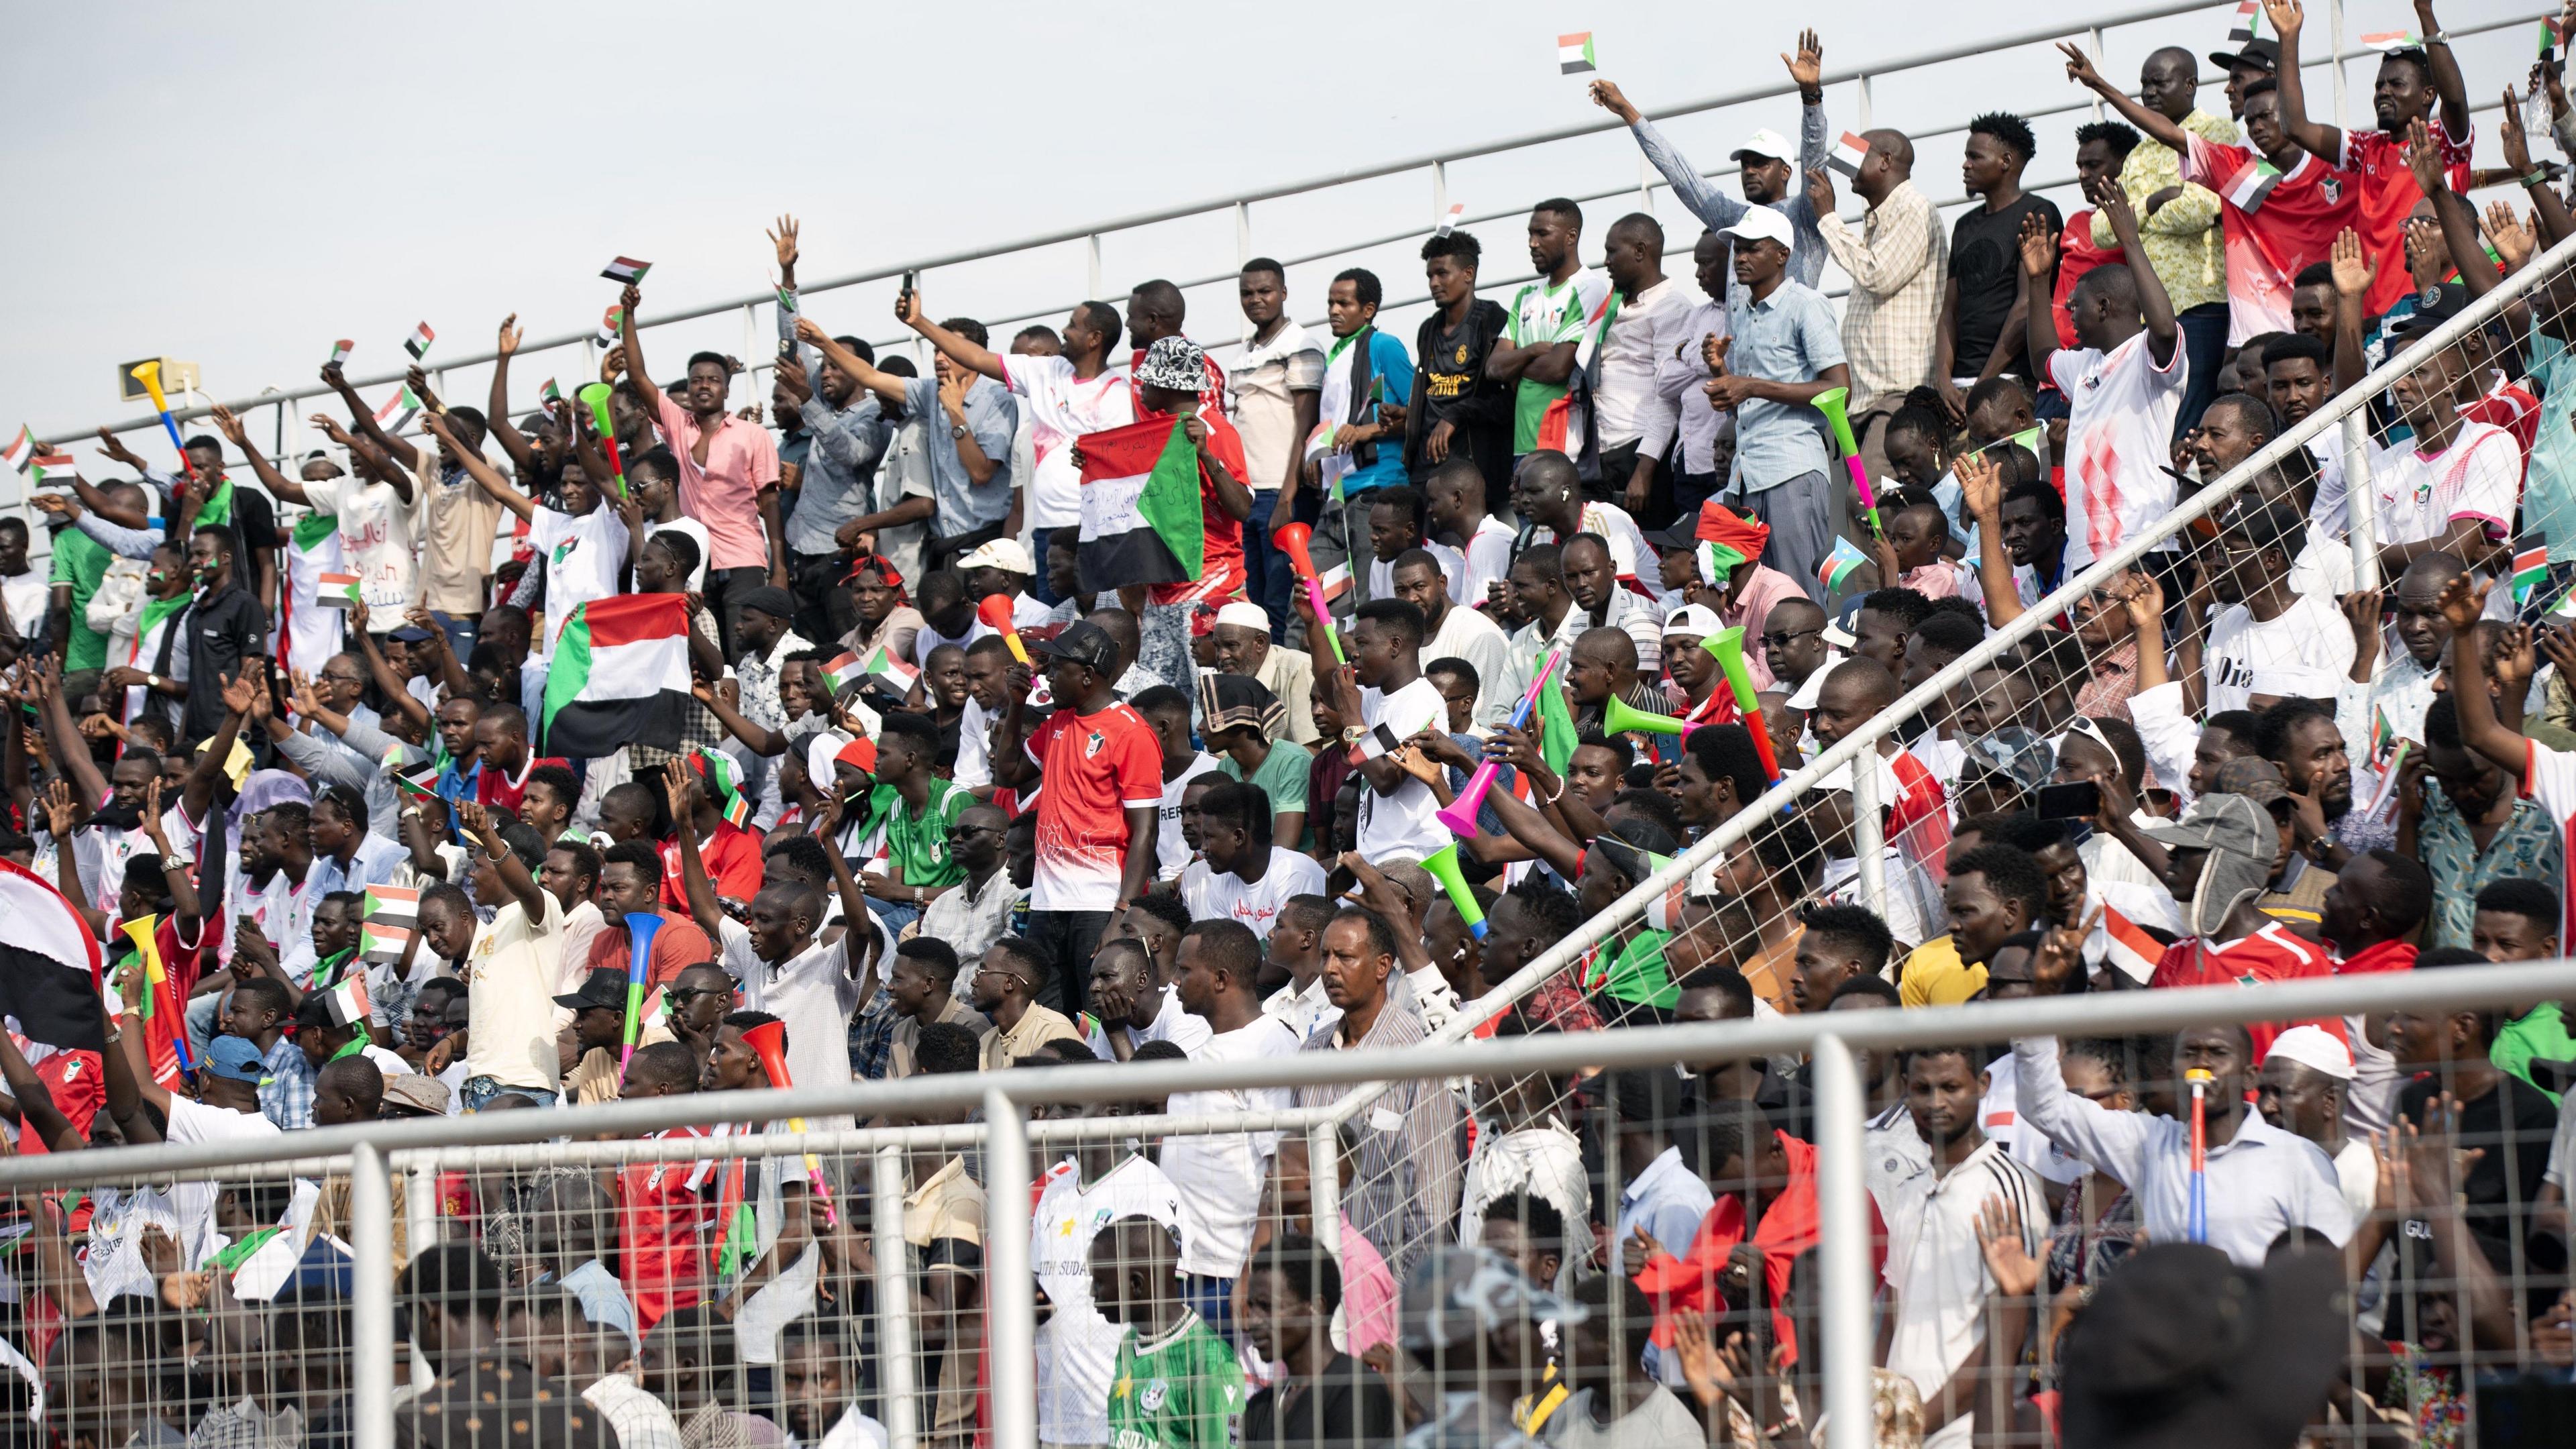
(2360, 504)
(1843, 1221)
(2334, 56)
(1091, 249)
(1010, 1310)
(371, 1320)
(1439, 192)
(420, 1203)
(1869, 832)
(1324, 1184)
(896, 1390)
(2093, 43)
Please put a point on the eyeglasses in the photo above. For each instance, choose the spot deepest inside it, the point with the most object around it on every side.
(1783, 641)
(682, 995)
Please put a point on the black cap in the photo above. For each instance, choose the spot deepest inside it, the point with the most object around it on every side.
(2434, 305)
(605, 986)
(1083, 642)
(1682, 534)
(775, 602)
(2263, 55)
(2183, 1349)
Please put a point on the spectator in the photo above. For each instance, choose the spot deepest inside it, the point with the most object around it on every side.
(1899, 266)
(1548, 319)
(728, 471)
(970, 465)
(1983, 328)
(1458, 409)
(1633, 420)
(1274, 390)
(2102, 150)
(1782, 349)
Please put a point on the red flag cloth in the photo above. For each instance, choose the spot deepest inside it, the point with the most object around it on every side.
(1790, 1227)
(1723, 526)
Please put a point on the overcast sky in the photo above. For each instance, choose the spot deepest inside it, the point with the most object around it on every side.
(238, 185)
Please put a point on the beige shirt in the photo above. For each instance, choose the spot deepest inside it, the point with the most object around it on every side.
(1260, 398)
(1290, 674)
(1038, 1026)
(907, 1034)
(950, 1206)
(510, 975)
(456, 524)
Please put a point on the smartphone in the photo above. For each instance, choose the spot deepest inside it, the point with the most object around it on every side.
(2081, 800)
(787, 347)
(910, 280)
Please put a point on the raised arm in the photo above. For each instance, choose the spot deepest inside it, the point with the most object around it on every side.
(2153, 124)
(2458, 220)
(2463, 603)
(451, 670)
(2163, 334)
(887, 386)
(2321, 141)
(496, 403)
(70, 750)
(1700, 196)
(2448, 87)
(482, 472)
(909, 311)
(723, 700)
(363, 418)
(365, 459)
(2038, 251)
(681, 790)
(523, 888)
(391, 685)
(858, 956)
(638, 381)
(1981, 489)
(2354, 272)
(186, 909)
(279, 486)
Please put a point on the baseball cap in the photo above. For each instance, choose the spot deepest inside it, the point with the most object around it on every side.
(410, 634)
(2183, 1349)
(235, 1060)
(1766, 143)
(2257, 780)
(1248, 615)
(2264, 55)
(2313, 1046)
(605, 986)
(2221, 822)
(2435, 305)
(416, 1092)
(1084, 642)
(1761, 223)
(777, 603)
(1698, 620)
(1681, 533)
(1005, 554)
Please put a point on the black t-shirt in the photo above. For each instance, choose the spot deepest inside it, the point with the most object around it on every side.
(1347, 1405)
(1985, 257)
(2511, 1126)
(1450, 381)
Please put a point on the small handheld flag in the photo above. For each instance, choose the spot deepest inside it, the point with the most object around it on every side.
(1849, 155)
(2132, 950)
(348, 1002)
(2393, 40)
(416, 780)
(417, 344)
(397, 409)
(335, 591)
(2252, 183)
(550, 397)
(382, 944)
(609, 324)
(2249, 22)
(1574, 53)
(21, 450)
(394, 908)
(2549, 38)
(340, 351)
(1837, 567)
(626, 269)
(1449, 223)
(55, 469)
(2530, 566)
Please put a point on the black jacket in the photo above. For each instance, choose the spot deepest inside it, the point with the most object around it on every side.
(224, 628)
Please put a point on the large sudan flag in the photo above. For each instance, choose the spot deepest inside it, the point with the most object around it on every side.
(620, 675)
(1141, 517)
(49, 964)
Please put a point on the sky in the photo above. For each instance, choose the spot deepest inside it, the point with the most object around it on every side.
(239, 185)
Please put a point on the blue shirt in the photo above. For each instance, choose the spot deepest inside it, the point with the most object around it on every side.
(603, 1299)
(374, 864)
(1387, 359)
(993, 416)
(286, 1098)
(453, 787)
(1789, 336)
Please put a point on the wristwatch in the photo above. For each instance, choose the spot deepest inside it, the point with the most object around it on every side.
(2319, 847)
(1353, 734)
(956, 430)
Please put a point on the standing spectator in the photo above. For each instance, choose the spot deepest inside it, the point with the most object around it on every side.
(1102, 767)
(1548, 318)
(2178, 222)
(1457, 410)
(2124, 380)
(1365, 371)
(1219, 1175)
(2412, 79)
(1633, 418)
(969, 422)
(1981, 331)
(1782, 349)
(2101, 150)
(516, 962)
(1274, 389)
(227, 631)
(1765, 170)
(1407, 1181)
(78, 567)
(1397, 819)
(2454, 485)
(845, 432)
(1707, 434)
(1900, 267)
(728, 472)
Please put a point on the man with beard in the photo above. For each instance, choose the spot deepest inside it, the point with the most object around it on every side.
(1548, 318)
(271, 900)
(1938, 1212)
(2301, 739)
(1004, 988)
(2276, 642)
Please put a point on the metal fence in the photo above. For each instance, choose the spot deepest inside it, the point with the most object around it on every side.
(345, 1351)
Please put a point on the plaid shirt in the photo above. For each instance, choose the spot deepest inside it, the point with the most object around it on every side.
(286, 1098)
(698, 727)
(2183, 240)
(1898, 265)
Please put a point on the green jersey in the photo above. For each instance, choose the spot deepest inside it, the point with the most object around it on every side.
(1181, 1391)
(1543, 313)
(81, 561)
(1637, 973)
(918, 844)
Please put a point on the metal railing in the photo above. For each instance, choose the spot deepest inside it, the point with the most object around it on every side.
(373, 1153)
(1862, 78)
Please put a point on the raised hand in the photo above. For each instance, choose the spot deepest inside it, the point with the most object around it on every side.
(676, 784)
(1981, 485)
(507, 344)
(1640, 1249)
(2285, 16)
(2079, 66)
(62, 813)
(2361, 611)
(2354, 269)
(1807, 67)
(2038, 248)
(791, 378)
(1607, 96)
(2515, 663)
(630, 298)
(231, 427)
(240, 692)
(783, 238)
(1999, 1242)
(2513, 241)
(2105, 194)
(2423, 160)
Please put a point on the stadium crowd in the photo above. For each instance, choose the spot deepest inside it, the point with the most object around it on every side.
(336, 771)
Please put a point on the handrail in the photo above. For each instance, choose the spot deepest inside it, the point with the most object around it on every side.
(2034, 35)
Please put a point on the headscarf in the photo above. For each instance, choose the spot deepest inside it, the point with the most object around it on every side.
(884, 568)
(1233, 701)
(1735, 538)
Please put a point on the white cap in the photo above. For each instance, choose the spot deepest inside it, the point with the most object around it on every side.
(1250, 616)
(2315, 1047)
(1696, 619)
(1005, 554)
(1768, 144)
(1761, 223)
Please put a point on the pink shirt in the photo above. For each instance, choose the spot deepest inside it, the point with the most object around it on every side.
(1753, 601)
(1938, 579)
(725, 494)
(1368, 1293)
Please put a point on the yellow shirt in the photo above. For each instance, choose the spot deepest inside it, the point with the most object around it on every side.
(1933, 976)
(2183, 240)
